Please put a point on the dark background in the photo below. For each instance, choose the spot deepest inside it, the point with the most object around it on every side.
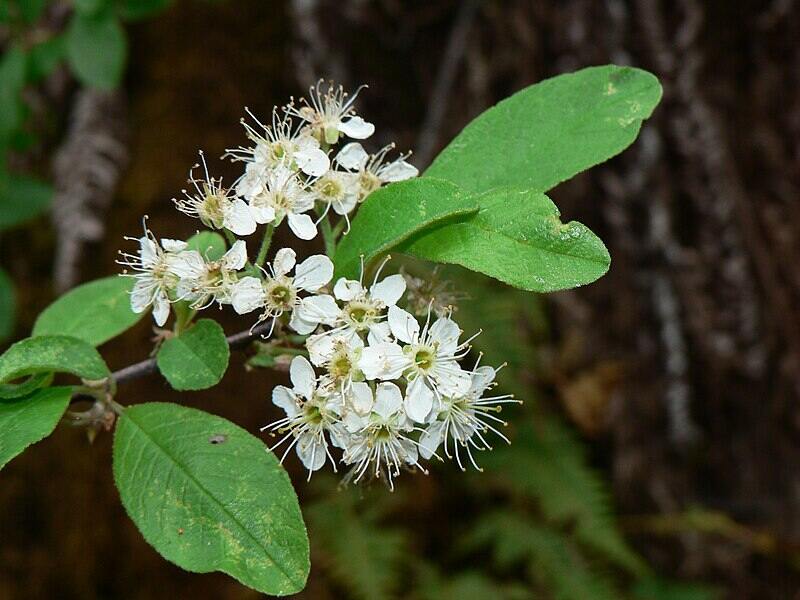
(680, 368)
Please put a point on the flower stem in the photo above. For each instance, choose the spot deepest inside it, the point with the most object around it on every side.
(265, 244)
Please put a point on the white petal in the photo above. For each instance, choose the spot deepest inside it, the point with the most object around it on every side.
(160, 309)
(352, 156)
(383, 361)
(303, 377)
(313, 273)
(312, 161)
(235, 258)
(311, 452)
(141, 296)
(379, 333)
(320, 348)
(446, 332)
(345, 205)
(284, 398)
(300, 325)
(450, 379)
(284, 261)
(247, 295)
(238, 218)
(404, 326)
(482, 378)
(347, 289)
(361, 398)
(431, 439)
(389, 290)
(357, 128)
(188, 264)
(318, 309)
(302, 226)
(148, 250)
(398, 170)
(262, 213)
(173, 245)
(419, 400)
(388, 399)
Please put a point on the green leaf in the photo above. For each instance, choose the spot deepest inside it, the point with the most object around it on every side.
(12, 79)
(208, 243)
(22, 198)
(7, 306)
(27, 420)
(550, 131)
(45, 57)
(51, 353)
(96, 49)
(28, 386)
(518, 238)
(94, 312)
(209, 496)
(140, 9)
(391, 214)
(197, 358)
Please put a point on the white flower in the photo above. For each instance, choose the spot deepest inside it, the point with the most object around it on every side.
(203, 281)
(341, 361)
(278, 293)
(363, 313)
(213, 205)
(429, 360)
(331, 114)
(281, 193)
(309, 413)
(282, 143)
(338, 190)
(379, 443)
(153, 267)
(465, 419)
(371, 172)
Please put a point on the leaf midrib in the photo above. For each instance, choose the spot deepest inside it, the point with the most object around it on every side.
(215, 501)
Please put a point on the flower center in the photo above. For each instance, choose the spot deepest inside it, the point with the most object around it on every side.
(361, 314)
(281, 294)
(313, 414)
(368, 182)
(210, 210)
(424, 358)
(330, 188)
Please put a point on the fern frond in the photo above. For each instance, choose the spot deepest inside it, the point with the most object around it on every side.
(552, 560)
(431, 584)
(659, 589)
(547, 462)
(359, 553)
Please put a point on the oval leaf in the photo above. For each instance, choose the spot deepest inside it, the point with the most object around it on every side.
(94, 312)
(51, 353)
(392, 214)
(96, 49)
(208, 243)
(197, 358)
(209, 496)
(518, 238)
(550, 131)
(27, 420)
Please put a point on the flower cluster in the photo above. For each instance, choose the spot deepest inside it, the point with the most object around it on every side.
(367, 377)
